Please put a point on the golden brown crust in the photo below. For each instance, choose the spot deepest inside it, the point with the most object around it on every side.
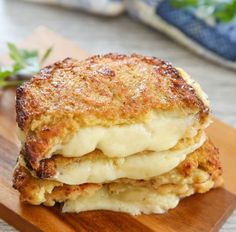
(113, 87)
(35, 191)
(29, 187)
(206, 158)
(105, 89)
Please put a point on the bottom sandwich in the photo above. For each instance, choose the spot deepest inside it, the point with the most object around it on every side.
(198, 173)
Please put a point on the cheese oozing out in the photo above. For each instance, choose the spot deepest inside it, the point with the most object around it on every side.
(160, 132)
(133, 200)
(143, 165)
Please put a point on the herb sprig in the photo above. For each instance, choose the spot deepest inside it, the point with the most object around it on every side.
(26, 63)
(223, 11)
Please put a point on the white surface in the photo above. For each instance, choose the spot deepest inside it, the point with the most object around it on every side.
(101, 34)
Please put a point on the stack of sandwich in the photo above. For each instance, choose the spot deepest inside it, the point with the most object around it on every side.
(115, 132)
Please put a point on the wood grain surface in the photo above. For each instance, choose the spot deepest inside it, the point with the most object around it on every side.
(202, 212)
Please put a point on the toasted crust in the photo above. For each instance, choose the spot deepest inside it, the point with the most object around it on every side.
(36, 191)
(206, 157)
(201, 170)
(112, 87)
(101, 90)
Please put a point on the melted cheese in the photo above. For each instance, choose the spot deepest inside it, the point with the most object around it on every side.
(140, 166)
(162, 131)
(133, 200)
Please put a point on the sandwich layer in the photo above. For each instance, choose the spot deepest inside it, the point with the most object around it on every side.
(104, 91)
(161, 132)
(97, 168)
(199, 172)
(134, 200)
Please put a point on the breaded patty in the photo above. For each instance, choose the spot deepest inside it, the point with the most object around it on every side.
(87, 169)
(104, 90)
(199, 172)
(36, 191)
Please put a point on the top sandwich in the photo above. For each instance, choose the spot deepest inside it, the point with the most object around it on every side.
(118, 104)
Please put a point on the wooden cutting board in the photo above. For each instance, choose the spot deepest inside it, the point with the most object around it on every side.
(201, 212)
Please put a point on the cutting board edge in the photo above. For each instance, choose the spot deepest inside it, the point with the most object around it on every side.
(226, 215)
(15, 220)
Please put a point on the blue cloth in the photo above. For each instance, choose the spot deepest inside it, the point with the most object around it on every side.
(190, 26)
(216, 38)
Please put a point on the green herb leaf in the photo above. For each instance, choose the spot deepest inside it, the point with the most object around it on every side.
(46, 55)
(15, 55)
(183, 3)
(223, 11)
(5, 73)
(16, 68)
(226, 12)
(26, 63)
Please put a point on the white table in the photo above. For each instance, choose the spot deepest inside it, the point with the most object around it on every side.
(101, 34)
